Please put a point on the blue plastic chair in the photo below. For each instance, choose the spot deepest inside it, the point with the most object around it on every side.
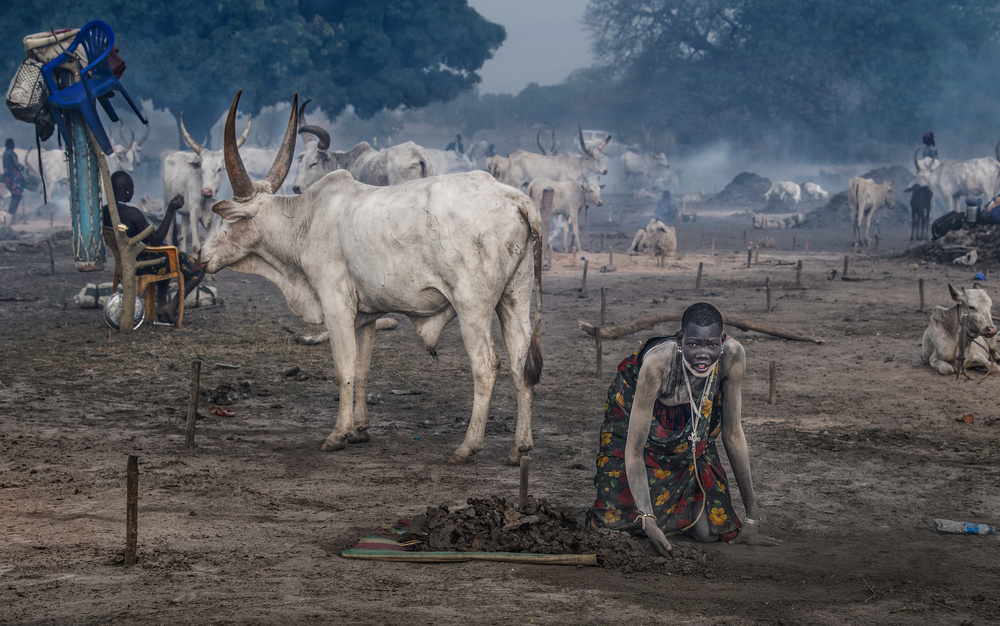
(97, 83)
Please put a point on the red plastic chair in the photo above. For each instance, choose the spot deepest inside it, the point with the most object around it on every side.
(97, 83)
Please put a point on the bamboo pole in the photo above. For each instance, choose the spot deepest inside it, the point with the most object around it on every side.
(651, 321)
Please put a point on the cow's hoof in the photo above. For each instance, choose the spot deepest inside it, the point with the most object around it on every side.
(514, 457)
(333, 444)
(458, 459)
(360, 437)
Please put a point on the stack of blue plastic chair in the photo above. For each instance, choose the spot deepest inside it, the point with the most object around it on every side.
(97, 83)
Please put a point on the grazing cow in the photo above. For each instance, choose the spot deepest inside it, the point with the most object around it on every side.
(392, 166)
(656, 239)
(449, 161)
(643, 167)
(950, 180)
(920, 210)
(196, 176)
(814, 191)
(941, 339)
(784, 190)
(522, 167)
(865, 197)
(345, 254)
(569, 197)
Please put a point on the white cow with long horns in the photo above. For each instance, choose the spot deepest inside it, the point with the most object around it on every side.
(522, 167)
(345, 254)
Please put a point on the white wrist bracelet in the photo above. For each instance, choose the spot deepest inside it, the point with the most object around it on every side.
(751, 521)
(642, 519)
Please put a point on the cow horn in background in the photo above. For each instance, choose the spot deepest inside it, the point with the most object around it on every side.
(283, 160)
(538, 141)
(302, 112)
(552, 150)
(238, 177)
(145, 135)
(121, 131)
(606, 140)
(188, 139)
(916, 163)
(319, 133)
(246, 132)
(583, 144)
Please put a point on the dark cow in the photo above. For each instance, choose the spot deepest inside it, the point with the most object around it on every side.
(920, 210)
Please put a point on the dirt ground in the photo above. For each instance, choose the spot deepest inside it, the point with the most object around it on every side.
(860, 453)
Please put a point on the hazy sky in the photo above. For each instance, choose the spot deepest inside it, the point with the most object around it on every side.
(545, 42)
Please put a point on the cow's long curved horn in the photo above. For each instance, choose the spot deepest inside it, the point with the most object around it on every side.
(238, 177)
(121, 130)
(246, 132)
(583, 144)
(131, 141)
(538, 141)
(145, 135)
(188, 139)
(320, 133)
(916, 163)
(552, 150)
(302, 112)
(283, 160)
(604, 143)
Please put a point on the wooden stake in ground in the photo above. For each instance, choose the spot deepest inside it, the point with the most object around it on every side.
(921, 284)
(756, 254)
(749, 254)
(773, 398)
(854, 255)
(611, 256)
(193, 401)
(132, 510)
(713, 248)
(522, 492)
(798, 273)
(604, 304)
(808, 238)
(697, 281)
(597, 335)
(767, 289)
(847, 259)
(583, 286)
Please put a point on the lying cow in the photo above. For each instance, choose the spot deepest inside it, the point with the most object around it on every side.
(940, 342)
(920, 210)
(657, 239)
(345, 254)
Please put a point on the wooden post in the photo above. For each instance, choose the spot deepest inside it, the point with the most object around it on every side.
(847, 259)
(193, 401)
(611, 256)
(604, 304)
(583, 286)
(808, 237)
(574, 256)
(697, 281)
(52, 259)
(132, 509)
(756, 254)
(749, 255)
(600, 352)
(713, 248)
(767, 289)
(854, 255)
(870, 245)
(921, 283)
(522, 492)
(773, 398)
(798, 273)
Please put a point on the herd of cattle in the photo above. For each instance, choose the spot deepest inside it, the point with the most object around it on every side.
(370, 232)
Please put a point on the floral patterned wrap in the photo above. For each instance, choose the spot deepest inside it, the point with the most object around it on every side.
(670, 468)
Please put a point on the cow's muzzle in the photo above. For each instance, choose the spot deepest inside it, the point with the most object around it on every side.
(989, 331)
(206, 193)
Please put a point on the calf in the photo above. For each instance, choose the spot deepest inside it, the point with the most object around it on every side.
(865, 196)
(941, 339)
(569, 197)
(920, 210)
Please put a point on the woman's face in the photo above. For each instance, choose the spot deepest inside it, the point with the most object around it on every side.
(701, 346)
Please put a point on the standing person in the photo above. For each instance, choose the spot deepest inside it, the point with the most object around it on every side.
(930, 149)
(659, 471)
(13, 177)
(456, 145)
(135, 223)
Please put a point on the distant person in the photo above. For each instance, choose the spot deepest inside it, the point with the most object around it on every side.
(491, 150)
(13, 177)
(930, 149)
(136, 222)
(457, 145)
(666, 210)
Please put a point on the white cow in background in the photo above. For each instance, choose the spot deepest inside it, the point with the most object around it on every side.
(449, 161)
(784, 190)
(643, 167)
(522, 167)
(569, 197)
(346, 253)
(864, 197)
(950, 180)
(54, 168)
(940, 341)
(814, 191)
(197, 176)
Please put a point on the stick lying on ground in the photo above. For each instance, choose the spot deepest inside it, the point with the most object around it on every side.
(649, 321)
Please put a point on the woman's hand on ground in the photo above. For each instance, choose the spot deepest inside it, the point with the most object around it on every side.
(658, 539)
(750, 535)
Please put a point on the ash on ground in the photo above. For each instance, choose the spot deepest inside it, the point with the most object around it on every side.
(495, 525)
(983, 238)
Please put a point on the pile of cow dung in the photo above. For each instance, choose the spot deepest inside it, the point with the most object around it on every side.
(494, 524)
(983, 238)
(744, 190)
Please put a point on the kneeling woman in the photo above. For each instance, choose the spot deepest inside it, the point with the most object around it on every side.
(658, 469)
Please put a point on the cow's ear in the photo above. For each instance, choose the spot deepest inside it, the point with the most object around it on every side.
(954, 293)
(233, 211)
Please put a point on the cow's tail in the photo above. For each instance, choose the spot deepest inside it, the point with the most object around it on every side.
(533, 362)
